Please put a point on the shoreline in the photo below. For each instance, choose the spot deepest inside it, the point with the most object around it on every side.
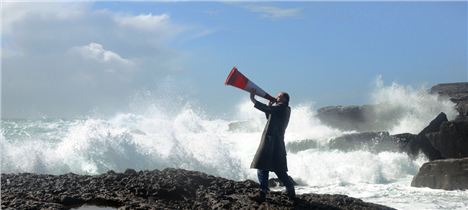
(167, 188)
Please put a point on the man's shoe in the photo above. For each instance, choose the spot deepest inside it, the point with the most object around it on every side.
(259, 197)
(292, 195)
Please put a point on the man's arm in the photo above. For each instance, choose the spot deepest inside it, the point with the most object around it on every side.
(252, 96)
(263, 107)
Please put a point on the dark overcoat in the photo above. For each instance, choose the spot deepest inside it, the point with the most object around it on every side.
(271, 153)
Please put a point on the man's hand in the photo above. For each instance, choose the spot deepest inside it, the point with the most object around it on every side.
(252, 95)
(270, 103)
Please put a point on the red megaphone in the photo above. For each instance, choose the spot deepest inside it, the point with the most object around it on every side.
(238, 80)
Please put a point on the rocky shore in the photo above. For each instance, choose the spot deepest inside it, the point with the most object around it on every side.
(366, 118)
(165, 189)
(443, 142)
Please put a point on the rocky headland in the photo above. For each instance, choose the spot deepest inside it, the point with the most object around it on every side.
(367, 118)
(443, 142)
(157, 189)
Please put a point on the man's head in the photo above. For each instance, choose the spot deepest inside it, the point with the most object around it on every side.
(282, 98)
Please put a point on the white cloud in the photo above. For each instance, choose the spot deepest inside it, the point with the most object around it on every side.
(13, 12)
(65, 59)
(97, 52)
(147, 22)
(273, 12)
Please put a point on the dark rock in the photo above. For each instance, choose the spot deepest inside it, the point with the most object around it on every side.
(457, 93)
(371, 141)
(130, 172)
(346, 117)
(434, 125)
(407, 143)
(452, 139)
(414, 144)
(111, 172)
(448, 174)
(423, 142)
(166, 189)
(301, 145)
(71, 201)
(365, 118)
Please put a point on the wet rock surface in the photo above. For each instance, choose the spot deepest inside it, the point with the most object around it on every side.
(166, 189)
(448, 174)
(420, 143)
(440, 139)
(370, 141)
(358, 118)
(451, 140)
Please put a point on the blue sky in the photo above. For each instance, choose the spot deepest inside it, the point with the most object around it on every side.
(322, 52)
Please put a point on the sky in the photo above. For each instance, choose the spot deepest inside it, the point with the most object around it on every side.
(83, 58)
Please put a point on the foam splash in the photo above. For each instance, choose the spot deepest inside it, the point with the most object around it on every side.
(190, 140)
(187, 138)
(410, 109)
(325, 168)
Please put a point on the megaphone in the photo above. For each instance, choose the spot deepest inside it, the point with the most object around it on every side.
(237, 79)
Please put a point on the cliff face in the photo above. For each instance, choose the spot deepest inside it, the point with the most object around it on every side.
(166, 189)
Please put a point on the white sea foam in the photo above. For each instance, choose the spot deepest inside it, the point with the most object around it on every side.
(411, 109)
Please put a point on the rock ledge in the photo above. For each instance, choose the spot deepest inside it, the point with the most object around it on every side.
(447, 174)
(166, 189)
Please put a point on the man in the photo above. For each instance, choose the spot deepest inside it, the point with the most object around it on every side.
(271, 153)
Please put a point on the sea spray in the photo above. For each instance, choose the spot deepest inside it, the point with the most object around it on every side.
(185, 137)
(409, 109)
(189, 140)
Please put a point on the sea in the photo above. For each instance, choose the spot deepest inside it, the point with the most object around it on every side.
(187, 137)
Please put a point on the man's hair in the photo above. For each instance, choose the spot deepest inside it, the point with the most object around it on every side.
(286, 95)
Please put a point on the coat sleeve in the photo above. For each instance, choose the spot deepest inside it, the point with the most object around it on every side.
(267, 109)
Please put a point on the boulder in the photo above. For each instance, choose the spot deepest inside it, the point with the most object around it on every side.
(448, 174)
(414, 144)
(452, 139)
(423, 143)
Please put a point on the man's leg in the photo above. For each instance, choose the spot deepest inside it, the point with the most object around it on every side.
(263, 179)
(283, 177)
